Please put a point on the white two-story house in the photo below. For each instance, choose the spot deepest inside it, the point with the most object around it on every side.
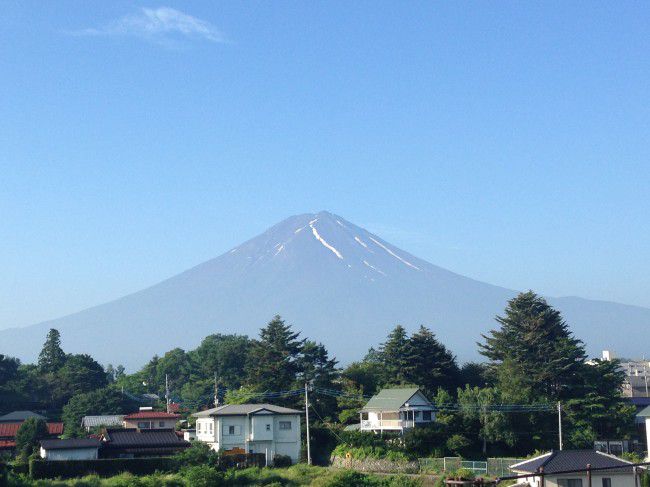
(396, 410)
(251, 428)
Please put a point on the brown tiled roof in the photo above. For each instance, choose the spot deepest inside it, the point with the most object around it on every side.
(9, 430)
(7, 444)
(151, 415)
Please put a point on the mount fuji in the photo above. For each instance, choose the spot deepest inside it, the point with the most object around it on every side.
(333, 281)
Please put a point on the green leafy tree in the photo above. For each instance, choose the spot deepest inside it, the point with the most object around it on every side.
(8, 368)
(600, 411)
(223, 355)
(28, 436)
(80, 373)
(316, 368)
(51, 357)
(477, 410)
(105, 401)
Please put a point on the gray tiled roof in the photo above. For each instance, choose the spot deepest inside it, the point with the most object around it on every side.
(107, 420)
(123, 438)
(390, 399)
(17, 416)
(560, 461)
(244, 409)
(70, 443)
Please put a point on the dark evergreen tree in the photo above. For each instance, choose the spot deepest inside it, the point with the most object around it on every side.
(52, 356)
(536, 341)
(273, 359)
(430, 364)
(395, 355)
(8, 368)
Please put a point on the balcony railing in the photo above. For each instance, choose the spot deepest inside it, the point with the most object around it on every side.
(387, 424)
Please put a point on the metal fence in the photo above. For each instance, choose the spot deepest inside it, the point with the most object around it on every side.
(494, 467)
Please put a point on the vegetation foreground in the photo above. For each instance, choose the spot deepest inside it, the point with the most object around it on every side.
(207, 476)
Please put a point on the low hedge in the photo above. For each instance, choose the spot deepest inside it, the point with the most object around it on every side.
(106, 467)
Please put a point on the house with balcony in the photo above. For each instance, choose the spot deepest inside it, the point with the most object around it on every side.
(251, 428)
(148, 419)
(396, 410)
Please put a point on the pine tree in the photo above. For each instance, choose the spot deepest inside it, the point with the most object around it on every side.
(52, 356)
(395, 353)
(536, 343)
(272, 362)
(431, 365)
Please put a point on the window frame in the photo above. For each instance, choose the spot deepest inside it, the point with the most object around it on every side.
(285, 425)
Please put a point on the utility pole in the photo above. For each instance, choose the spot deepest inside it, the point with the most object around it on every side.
(167, 391)
(216, 391)
(307, 422)
(559, 421)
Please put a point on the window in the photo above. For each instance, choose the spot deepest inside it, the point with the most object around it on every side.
(210, 427)
(144, 425)
(569, 482)
(607, 482)
(285, 425)
(231, 430)
(426, 415)
(161, 424)
(198, 427)
(268, 428)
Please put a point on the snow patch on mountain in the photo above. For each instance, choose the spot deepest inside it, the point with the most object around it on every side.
(322, 240)
(373, 267)
(395, 255)
(361, 242)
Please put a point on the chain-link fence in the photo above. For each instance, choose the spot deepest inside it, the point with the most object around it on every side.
(494, 467)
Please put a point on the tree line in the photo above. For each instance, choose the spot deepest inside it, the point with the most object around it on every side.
(531, 358)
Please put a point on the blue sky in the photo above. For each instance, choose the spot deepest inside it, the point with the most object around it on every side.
(507, 141)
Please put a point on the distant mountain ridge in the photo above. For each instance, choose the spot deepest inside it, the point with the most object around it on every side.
(334, 281)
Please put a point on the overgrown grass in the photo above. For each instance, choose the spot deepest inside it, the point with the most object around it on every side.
(365, 452)
(207, 476)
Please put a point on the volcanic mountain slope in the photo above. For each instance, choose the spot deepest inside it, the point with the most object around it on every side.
(334, 281)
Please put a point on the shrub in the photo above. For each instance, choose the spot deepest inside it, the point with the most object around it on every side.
(457, 444)
(202, 476)
(346, 478)
(198, 454)
(281, 461)
(40, 469)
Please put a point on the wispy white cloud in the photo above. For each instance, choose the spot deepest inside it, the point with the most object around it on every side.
(162, 24)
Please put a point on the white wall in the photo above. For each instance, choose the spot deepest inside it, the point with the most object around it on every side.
(277, 441)
(647, 437)
(618, 479)
(71, 454)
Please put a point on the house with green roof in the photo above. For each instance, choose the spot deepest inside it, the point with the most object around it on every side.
(396, 409)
